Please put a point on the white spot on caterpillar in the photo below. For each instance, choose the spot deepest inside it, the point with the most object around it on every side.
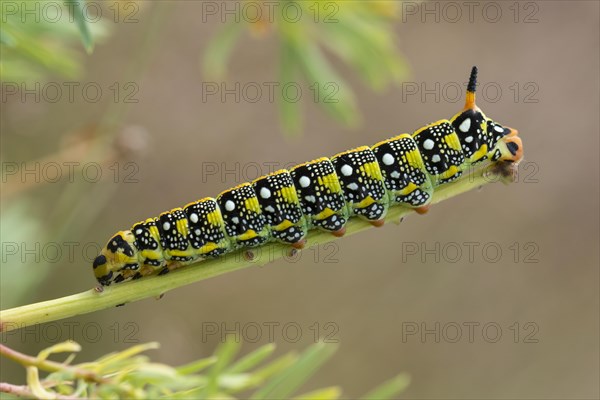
(352, 186)
(395, 174)
(436, 158)
(194, 217)
(304, 181)
(138, 231)
(346, 170)
(269, 209)
(235, 220)
(469, 139)
(428, 144)
(166, 226)
(498, 129)
(465, 125)
(265, 193)
(388, 159)
(310, 199)
(229, 205)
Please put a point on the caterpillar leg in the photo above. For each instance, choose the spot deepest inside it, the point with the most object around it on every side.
(423, 209)
(378, 223)
(299, 245)
(146, 270)
(175, 265)
(340, 232)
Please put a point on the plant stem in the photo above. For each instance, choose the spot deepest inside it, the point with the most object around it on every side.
(154, 286)
(23, 391)
(46, 365)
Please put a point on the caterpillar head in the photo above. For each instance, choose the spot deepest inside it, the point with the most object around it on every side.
(117, 259)
(480, 136)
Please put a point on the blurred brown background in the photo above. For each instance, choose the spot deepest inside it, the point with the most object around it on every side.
(542, 290)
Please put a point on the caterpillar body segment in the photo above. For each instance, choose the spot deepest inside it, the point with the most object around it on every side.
(245, 224)
(206, 228)
(321, 194)
(406, 179)
(173, 231)
(281, 207)
(441, 151)
(471, 129)
(362, 183)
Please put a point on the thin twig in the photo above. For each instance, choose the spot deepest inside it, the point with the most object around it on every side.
(23, 391)
(47, 365)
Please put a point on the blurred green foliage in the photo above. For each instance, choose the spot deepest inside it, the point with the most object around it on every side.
(129, 374)
(360, 33)
(37, 39)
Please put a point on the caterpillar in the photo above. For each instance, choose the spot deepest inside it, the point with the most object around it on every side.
(321, 194)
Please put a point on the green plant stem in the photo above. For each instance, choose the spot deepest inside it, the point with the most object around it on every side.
(46, 365)
(154, 286)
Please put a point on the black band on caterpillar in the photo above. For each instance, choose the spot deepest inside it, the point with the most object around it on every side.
(320, 194)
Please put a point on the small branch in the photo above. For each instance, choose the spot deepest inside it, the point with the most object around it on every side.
(154, 286)
(46, 365)
(23, 391)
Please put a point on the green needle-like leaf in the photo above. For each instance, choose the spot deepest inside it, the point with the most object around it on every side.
(389, 389)
(251, 360)
(196, 366)
(330, 393)
(219, 50)
(224, 353)
(76, 10)
(284, 384)
(274, 367)
(332, 91)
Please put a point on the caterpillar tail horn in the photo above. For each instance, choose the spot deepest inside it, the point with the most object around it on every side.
(471, 87)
